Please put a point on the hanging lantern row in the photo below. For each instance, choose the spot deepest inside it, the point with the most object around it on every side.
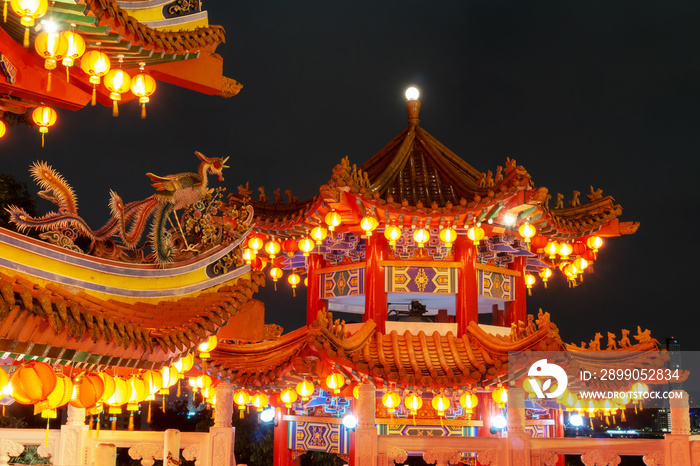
(440, 402)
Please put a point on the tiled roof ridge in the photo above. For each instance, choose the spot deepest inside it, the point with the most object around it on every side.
(119, 324)
(109, 12)
(583, 219)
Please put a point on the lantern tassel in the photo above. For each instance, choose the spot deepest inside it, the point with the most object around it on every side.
(143, 111)
(179, 391)
(545, 285)
(115, 109)
(148, 418)
(26, 38)
(131, 421)
(46, 439)
(48, 83)
(294, 292)
(94, 96)
(622, 416)
(3, 411)
(240, 412)
(42, 140)
(275, 280)
(4, 12)
(67, 74)
(97, 428)
(529, 291)
(163, 404)
(114, 422)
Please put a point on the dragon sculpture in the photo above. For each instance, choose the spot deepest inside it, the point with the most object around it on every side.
(129, 222)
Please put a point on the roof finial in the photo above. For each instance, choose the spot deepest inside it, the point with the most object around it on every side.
(412, 106)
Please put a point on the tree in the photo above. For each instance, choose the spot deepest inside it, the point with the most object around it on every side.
(13, 192)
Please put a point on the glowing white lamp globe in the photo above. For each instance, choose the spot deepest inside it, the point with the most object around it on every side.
(349, 421)
(499, 421)
(576, 420)
(267, 415)
(412, 93)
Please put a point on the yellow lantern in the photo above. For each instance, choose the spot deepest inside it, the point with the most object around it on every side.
(44, 117)
(288, 396)
(110, 386)
(294, 280)
(468, 400)
(4, 381)
(571, 272)
(207, 347)
(143, 86)
(565, 250)
(275, 273)
(391, 400)
(332, 219)
(335, 382)
(51, 46)
(29, 11)
(594, 243)
(3, 128)
(551, 249)
(153, 380)
(33, 382)
(184, 364)
(529, 281)
(241, 398)
(441, 404)
(95, 64)
(476, 234)
(580, 263)
(500, 396)
(255, 243)
(122, 394)
(448, 236)
(248, 255)
(356, 391)
(421, 236)
(527, 231)
(368, 224)
(118, 82)
(545, 274)
(273, 248)
(139, 392)
(306, 245)
(209, 393)
(170, 377)
(413, 403)
(203, 381)
(319, 234)
(60, 396)
(260, 401)
(393, 234)
(76, 49)
(305, 389)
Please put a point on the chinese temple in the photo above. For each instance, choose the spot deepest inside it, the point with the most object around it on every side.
(415, 244)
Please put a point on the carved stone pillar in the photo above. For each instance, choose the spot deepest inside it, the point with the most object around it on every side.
(171, 448)
(366, 430)
(677, 444)
(72, 442)
(222, 435)
(518, 439)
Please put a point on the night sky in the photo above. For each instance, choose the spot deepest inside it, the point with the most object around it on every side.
(580, 93)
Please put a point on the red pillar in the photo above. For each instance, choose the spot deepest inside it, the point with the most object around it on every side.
(282, 454)
(517, 309)
(467, 308)
(499, 316)
(314, 303)
(375, 292)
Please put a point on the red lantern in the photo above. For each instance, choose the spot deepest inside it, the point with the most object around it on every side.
(578, 248)
(538, 242)
(290, 246)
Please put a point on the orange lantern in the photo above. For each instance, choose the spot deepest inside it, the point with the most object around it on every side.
(527, 231)
(368, 224)
(413, 403)
(441, 404)
(288, 397)
(51, 46)
(305, 389)
(118, 82)
(33, 382)
(76, 49)
(29, 11)
(421, 236)
(276, 273)
(391, 400)
(500, 396)
(529, 281)
(294, 280)
(565, 250)
(88, 388)
(60, 396)
(241, 398)
(44, 117)
(272, 247)
(207, 347)
(468, 400)
(476, 234)
(333, 220)
(143, 86)
(290, 246)
(545, 274)
(306, 245)
(255, 243)
(594, 243)
(319, 234)
(260, 401)
(393, 234)
(551, 249)
(122, 394)
(448, 236)
(3, 128)
(335, 382)
(95, 64)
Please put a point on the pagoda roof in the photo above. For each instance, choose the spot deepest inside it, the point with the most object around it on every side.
(418, 360)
